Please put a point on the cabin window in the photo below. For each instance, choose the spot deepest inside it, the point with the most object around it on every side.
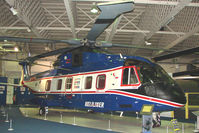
(59, 84)
(101, 79)
(129, 76)
(48, 84)
(77, 59)
(88, 83)
(69, 82)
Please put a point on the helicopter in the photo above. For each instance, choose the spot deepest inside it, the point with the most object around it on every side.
(87, 77)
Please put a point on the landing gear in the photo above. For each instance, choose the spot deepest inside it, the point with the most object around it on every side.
(156, 119)
(91, 111)
(43, 110)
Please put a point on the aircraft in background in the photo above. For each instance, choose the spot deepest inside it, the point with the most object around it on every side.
(87, 77)
(192, 71)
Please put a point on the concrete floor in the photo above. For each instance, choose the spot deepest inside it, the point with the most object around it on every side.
(110, 122)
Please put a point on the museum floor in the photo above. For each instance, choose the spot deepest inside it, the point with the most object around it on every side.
(22, 124)
(27, 120)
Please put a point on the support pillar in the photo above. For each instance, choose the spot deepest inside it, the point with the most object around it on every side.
(10, 92)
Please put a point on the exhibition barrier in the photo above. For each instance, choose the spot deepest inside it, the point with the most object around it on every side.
(190, 105)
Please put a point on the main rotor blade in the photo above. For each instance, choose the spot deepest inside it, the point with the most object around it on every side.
(39, 40)
(176, 54)
(51, 53)
(23, 60)
(109, 12)
(10, 84)
(41, 65)
(194, 72)
(107, 45)
(11, 60)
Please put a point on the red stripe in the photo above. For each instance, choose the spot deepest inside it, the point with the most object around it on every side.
(118, 92)
(146, 98)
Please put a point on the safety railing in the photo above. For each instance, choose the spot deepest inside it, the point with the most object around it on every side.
(188, 105)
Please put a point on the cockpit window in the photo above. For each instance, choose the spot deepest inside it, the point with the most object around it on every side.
(151, 74)
(129, 76)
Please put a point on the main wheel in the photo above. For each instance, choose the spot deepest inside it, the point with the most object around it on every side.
(42, 111)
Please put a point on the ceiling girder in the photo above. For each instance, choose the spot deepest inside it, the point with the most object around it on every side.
(182, 38)
(67, 4)
(56, 17)
(114, 26)
(26, 12)
(91, 20)
(174, 11)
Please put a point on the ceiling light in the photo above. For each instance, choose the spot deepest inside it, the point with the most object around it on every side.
(147, 43)
(16, 49)
(29, 54)
(94, 9)
(28, 29)
(47, 48)
(14, 11)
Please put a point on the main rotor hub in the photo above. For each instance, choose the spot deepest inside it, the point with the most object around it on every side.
(89, 43)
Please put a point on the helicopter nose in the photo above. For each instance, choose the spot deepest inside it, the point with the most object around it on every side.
(178, 96)
(172, 93)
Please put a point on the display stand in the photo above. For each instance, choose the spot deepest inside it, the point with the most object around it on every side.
(146, 113)
(146, 123)
(197, 124)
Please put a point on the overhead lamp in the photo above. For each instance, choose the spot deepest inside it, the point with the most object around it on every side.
(14, 11)
(94, 9)
(147, 43)
(28, 29)
(16, 49)
(47, 48)
(29, 54)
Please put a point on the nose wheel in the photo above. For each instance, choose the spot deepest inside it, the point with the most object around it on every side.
(43, 111)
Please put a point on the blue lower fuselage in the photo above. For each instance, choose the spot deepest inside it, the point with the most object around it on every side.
(109, 101)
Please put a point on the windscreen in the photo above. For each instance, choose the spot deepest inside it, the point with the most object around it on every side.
(151, 74)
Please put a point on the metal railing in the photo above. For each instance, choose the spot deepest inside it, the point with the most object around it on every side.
(187, 106)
